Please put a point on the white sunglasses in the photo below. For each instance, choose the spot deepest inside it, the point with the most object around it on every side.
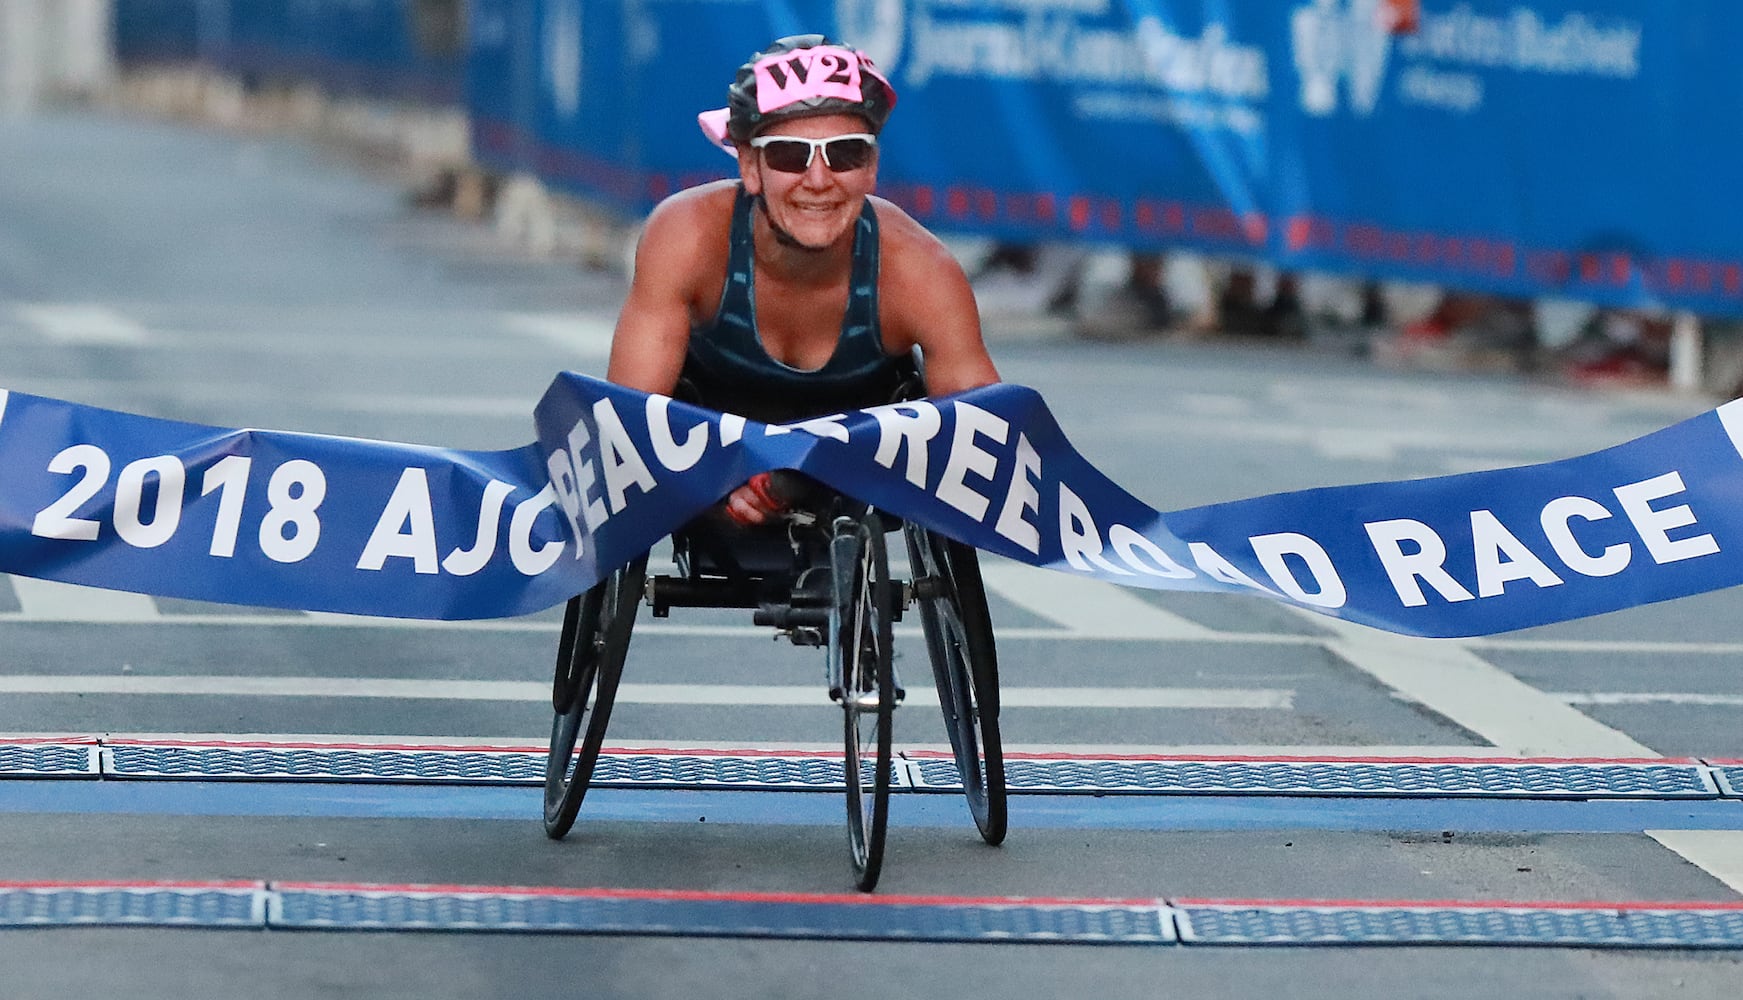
(791, 154)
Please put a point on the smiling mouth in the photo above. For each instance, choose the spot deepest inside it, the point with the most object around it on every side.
(783, 237)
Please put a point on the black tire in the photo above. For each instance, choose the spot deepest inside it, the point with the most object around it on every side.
(590, 655)
(861, 640)
(965, 666)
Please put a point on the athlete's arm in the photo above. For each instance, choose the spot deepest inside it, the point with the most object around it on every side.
(927, 302)
(653, 329)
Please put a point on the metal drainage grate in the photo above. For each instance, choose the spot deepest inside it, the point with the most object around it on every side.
(1541, 779)
(604, 912)
(32, 759)
(822, 772)
(1730, 778)
(1717, 927)
(218, 905)
(624, 769)
(712, 771)
(305, 763)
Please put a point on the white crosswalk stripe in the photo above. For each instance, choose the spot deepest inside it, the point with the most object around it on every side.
(52, 601)
(1074, 607)
(585, 335)
(1456, 683)
(83, 323)
(766, 695)
(1719, 853)
(1086, 607)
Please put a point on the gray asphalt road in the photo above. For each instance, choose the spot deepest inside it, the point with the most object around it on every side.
(256, 281)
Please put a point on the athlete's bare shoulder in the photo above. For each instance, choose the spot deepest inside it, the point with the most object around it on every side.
(683, 243)
(697, 216)
(711, 194)
(909, 254)
(894, 220)
(924, 300)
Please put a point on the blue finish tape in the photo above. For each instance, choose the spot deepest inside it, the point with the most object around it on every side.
(109, 499)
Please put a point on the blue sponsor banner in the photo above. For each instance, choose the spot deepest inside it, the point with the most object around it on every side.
(109, 499)
(276, 519)
(1568, 147)
(391, 49)
(1583, 148)
(147, 31)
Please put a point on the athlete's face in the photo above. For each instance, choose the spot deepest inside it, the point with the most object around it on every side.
(817, 207)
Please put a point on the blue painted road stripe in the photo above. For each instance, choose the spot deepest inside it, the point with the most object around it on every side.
(1196, 812)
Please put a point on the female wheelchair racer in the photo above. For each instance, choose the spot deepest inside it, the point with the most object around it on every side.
(787, 293)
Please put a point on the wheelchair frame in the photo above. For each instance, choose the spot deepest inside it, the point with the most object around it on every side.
(828, 585)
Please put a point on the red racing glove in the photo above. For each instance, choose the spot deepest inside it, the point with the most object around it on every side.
(770, 502)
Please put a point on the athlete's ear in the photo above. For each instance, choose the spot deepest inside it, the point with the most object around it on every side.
(748, 172)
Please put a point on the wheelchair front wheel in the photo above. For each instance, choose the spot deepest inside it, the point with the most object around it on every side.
(965, 666)
(590, 655)
(861, 644)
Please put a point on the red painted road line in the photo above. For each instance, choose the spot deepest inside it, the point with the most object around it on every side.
(1455, 904)
(319, 745)
(129, 886)
(1283, 758)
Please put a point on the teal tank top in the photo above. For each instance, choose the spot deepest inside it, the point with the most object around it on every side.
(727, 368)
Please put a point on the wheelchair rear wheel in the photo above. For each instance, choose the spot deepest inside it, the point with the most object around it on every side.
(959, 639)
(590, 655)
(860, 619)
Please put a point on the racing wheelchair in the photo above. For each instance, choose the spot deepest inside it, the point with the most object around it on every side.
(820, 577)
